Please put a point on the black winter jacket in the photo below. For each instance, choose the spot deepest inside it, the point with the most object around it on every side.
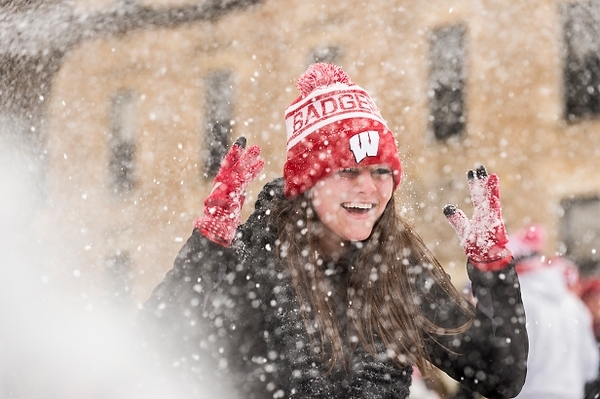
(231, 315)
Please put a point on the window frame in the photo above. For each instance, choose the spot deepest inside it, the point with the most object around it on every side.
(218, 129)
(447, 82)
(121, 141)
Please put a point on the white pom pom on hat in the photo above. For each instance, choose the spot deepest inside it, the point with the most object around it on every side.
(333, 124)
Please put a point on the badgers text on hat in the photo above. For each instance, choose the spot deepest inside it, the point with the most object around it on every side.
(325, 106)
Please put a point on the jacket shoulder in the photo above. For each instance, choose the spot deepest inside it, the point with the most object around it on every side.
(259, 228)
(271, 192)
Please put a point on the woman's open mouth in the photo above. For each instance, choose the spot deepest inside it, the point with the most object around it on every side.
(358, 207)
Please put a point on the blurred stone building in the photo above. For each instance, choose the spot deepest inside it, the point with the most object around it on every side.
(138, 112)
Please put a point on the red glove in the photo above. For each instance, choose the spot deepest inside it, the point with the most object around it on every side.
(222, 207)
(483, 237)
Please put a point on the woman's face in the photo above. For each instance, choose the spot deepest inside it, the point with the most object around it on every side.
(349, 202)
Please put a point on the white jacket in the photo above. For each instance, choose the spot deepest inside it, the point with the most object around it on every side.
(563, 354)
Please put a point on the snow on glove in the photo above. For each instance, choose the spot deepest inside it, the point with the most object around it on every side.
(222, 207)
(483, 237)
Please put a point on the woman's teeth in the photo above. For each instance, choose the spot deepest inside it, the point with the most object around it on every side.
(357, 206)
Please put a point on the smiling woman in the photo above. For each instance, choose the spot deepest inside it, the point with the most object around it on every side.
(325, 291)
(349, 202)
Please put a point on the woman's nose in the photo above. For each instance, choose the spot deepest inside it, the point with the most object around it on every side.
(365, 183)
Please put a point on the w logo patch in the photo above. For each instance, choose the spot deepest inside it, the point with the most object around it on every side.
(365, 144)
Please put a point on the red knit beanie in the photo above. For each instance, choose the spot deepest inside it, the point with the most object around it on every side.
(333, 124)
(526, 246)
(528, 241)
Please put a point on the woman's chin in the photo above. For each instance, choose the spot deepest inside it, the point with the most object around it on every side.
(358, 236)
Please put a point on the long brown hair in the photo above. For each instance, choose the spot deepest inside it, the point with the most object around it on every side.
(385, 287)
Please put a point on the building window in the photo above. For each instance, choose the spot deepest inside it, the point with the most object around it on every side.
(580, 232)
(581, 68)
(119, 278)
(328, 54)
(219, 110)
(447, 81)
(121, 141)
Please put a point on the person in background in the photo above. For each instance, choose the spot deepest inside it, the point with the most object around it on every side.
(562, 350)
(590, 295)
(570, 272)
(325, 291)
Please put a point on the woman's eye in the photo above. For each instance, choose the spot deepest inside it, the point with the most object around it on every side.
(348, 172)
(382, 172)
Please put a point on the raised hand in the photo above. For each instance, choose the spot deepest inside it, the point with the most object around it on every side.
(222, 207)
(483, 237)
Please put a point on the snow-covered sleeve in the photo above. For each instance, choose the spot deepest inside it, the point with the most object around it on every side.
(592, 387)
(491, 356)
(200, 322)
(179, 300)
(590, 349)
